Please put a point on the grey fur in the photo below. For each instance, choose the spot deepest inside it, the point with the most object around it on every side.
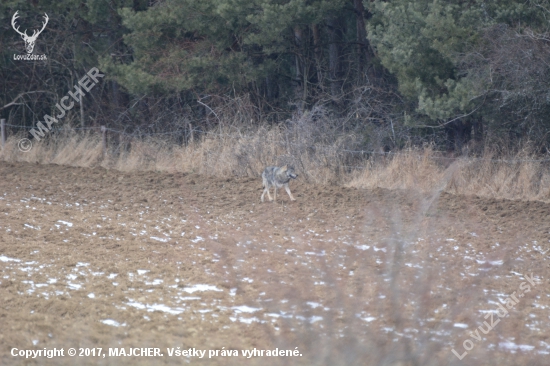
(277, 177)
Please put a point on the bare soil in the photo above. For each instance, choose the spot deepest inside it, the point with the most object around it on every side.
(91, 257)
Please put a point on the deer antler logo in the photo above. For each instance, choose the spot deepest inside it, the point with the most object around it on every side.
(29, 40)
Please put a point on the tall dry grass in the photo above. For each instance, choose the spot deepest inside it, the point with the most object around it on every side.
(521, 176)
(321, 158)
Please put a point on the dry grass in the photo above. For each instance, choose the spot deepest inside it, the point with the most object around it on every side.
(522, 176)
(319, 159)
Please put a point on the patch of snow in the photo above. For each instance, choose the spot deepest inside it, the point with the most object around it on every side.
(196, 288)
(164, 240)
(112, 323)
(249, 320)
(511, 346)
(368, 319)
(156, 307)
(322, 254)
(245, 309)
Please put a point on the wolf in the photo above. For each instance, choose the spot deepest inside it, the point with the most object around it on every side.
(277, 177)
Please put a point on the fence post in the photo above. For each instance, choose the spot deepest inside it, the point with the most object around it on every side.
(122, 143)
(2, 133)
(104, 140)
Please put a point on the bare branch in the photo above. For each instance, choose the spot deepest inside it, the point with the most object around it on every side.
(20, 95)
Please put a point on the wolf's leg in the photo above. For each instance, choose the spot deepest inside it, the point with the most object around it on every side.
(263, 194)
(275, 193)
(268, 195)
(287, 188)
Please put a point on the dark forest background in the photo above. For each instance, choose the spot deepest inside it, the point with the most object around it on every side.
(456, 74)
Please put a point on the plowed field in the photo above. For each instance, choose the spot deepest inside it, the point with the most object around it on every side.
(95, 258)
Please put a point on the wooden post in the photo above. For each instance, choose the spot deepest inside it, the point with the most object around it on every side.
(104, 140)
(122, 143)
(82, 117)
(2, 133)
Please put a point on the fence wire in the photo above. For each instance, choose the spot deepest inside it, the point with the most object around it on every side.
(139, 134)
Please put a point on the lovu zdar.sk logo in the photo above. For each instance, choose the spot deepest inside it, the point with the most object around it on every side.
(29, 40)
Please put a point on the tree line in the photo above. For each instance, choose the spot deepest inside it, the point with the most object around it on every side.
(457, 73)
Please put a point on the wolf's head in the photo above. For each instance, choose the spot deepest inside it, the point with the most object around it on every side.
(289, 171)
